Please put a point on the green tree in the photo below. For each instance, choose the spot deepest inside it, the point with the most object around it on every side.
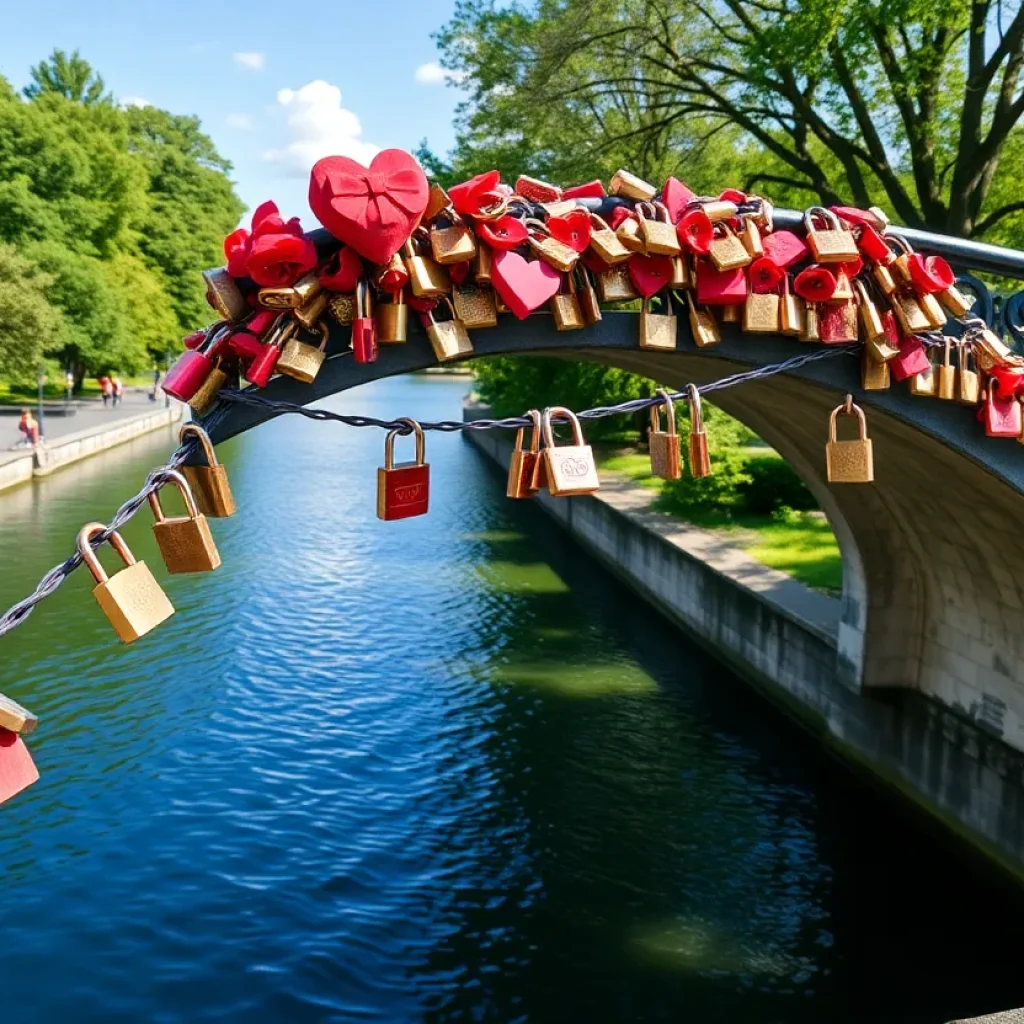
(909, 104)
(69, 76)
(29, 324)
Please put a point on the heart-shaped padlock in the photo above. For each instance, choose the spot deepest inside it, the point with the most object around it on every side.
(523, 285)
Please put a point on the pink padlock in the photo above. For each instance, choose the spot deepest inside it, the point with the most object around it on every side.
(1001, 416)
(364, 330)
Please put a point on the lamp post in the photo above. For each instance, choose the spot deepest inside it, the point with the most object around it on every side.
(41, 380)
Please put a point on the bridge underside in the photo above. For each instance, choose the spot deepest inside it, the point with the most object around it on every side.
(933, 556)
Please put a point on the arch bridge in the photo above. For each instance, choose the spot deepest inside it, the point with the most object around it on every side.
(933, 550)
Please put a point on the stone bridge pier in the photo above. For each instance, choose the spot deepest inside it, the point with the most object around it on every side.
(927, 687)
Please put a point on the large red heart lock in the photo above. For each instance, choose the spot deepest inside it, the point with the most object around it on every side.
(523, 285)
(650, 274)
(573, 229)
(373, 209)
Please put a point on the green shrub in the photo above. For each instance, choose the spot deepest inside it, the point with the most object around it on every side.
(771, 484)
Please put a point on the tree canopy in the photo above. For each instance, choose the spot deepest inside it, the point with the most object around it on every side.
(111, 213)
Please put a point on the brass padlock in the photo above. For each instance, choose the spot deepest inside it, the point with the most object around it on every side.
(727, 251)
(302, 361)
(911, 316)
(658, 330)
(570, 468)
(523, 464)
(185, 542)
(392, 319)
(925, 383)
(427, 278)
(844, 289)
(303, 291)
(761, 313)
(750, 236)
(968, 383)
(131, 599)
(874, 375)
(732, 313)
(437, 203)
(342, 307)
(831, 244)
(553, 252)
(849, 462)
(872, 327)
(448, 338)
(14, 718)
(703, 325)
(615, 285)
(309, 313)
(955, 302)
(452, 242)
(884, 278)
(565, 306)
(483, 261)
(681, 276)
(700, 457)
(628, 234)
(624, 183)
(474, 306)
(932, 309)
(812, 326)
(590, 306)
(990, 350)
(718, 210)
(225, 295)
(605, 242)
(664, 445)
(202, 401)
(657, 231)
(792, 311)
(946, 383)
(209, 483)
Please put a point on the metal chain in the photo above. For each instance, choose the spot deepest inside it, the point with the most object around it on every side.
(18, 613)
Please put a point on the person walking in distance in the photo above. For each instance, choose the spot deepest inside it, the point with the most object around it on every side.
(29, 427)
(69, 385)
(118, 387)
(106, 390)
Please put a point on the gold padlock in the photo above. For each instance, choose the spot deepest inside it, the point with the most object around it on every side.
(302, 361)
(658, 330)
(831, 244)
(657, 231)
(615, 285)
(131, 599)
(932, 309)
(703, 325)
(555, 253)
(681, 276)
(761, 313)
(872, 327)
(437, 202)
(844, 289)
(483, 262)
(342, 307)
(968, 383)
(624, 183)
(812, 327)
(792, 311)
(565, 306)
(202, 401)
(427, 278)
(911, 316)
(750, 236)
(664, 445)
(185, 542)
(946, 384)
(605, 242)
(309, 313)
(718, 210)
(700, 457)
(727, 251)
(925, 384)
(849, 462)
(392, 320)
(303, 291)
(731, 314)
(448, 338)
(225, 295)
(628, 234)
(570, 468)
(523, 463)
(874, 375)
(590, 306)
(209, 483)
(14, 718)
(452, 242)
(474, 306)
(954, 301)
(884, 278)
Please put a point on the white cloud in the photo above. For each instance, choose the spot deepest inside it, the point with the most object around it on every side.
(134, 101)
(432, 73)
(251, 61)
(239, 122)
(318, 126)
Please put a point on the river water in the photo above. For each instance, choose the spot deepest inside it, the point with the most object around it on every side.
(438, 770)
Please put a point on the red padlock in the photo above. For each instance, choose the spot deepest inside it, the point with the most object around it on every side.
(785, 248)
(262, 367)
(190, 371)
(17, 769)
(874, 246)
(1001, 416)
(720, 287)
(403, 491)
(364, 330)
(588, 190)
(246, 345)
(930, 274)
(913, 358)
(194, 340)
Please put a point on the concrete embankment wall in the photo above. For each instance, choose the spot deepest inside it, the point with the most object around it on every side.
(71, 448)
(783, 638)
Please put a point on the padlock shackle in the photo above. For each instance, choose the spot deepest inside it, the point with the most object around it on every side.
(389, 442)
(696, 409)
(89, 557)
(562, 413)
(670, 413)
(832, 222)
(204, 441)
(534, 415)
(172, 476)
(901, 243)
(848, 408)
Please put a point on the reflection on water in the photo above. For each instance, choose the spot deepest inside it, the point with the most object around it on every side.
(438, 770)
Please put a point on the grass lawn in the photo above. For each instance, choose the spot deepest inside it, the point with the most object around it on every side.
(54, 392)
(801, 544)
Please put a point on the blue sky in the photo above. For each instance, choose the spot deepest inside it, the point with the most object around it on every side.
(276, 85)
